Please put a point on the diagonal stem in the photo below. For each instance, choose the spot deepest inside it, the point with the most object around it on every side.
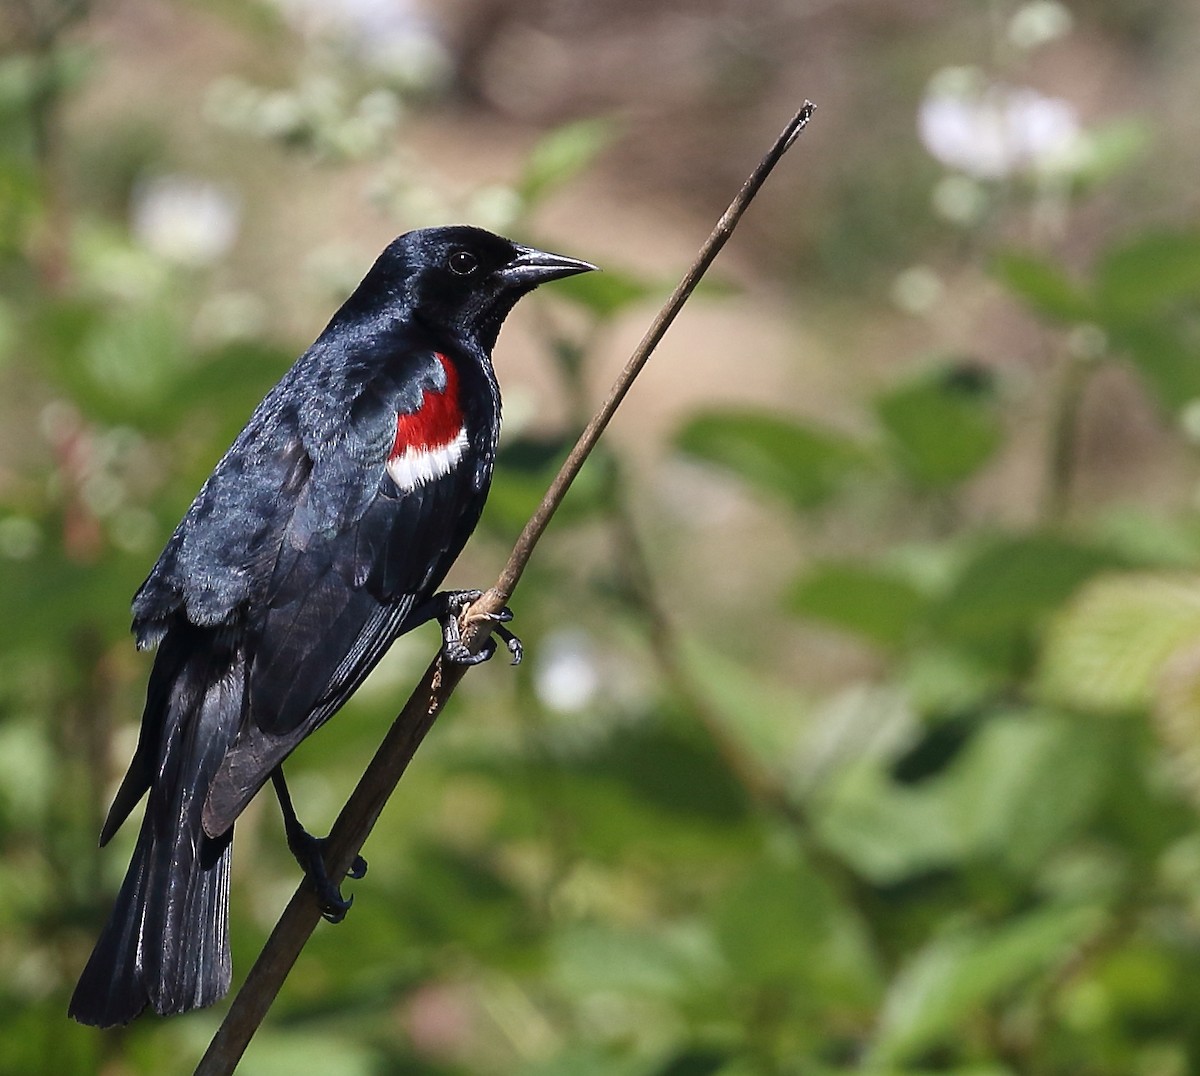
(376, 785)
(683, 290)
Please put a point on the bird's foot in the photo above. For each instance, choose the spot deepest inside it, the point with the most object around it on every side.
(451, 604)
(310, 854)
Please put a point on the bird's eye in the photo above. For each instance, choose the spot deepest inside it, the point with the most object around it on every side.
(462, 262)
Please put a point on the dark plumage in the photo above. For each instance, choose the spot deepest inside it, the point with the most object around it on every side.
(320, 537)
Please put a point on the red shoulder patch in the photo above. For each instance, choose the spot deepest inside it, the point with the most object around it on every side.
(437, 422)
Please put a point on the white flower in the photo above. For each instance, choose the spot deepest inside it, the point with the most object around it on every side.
(917, 290)
(991, 131)
(389, 34)
(1038, 23)
(566, 677)
(185, 220)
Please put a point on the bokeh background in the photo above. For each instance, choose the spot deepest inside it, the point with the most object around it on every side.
(860, 728)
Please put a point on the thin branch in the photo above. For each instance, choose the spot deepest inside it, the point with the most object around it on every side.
(591, 434)
(1064, 433)
(363, 808)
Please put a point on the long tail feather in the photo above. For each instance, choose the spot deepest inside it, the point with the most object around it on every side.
(166, 943)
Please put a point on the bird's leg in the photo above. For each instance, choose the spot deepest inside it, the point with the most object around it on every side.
(447, 608)
(310, 854)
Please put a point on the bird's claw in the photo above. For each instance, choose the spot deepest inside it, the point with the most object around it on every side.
(310, 854)
(453, 603)
(511, 641)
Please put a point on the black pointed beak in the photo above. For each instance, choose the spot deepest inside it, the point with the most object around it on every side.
(532, 267)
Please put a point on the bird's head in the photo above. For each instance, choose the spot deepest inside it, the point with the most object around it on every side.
(461, 278)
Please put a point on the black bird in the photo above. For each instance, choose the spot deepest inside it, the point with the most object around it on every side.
(320, 537)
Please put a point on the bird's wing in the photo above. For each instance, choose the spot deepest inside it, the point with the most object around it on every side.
(203, 583)
(379, 519)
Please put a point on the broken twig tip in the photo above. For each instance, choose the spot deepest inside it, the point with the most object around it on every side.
(799, 122)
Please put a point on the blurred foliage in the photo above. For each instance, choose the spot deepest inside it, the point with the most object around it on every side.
(648, 852)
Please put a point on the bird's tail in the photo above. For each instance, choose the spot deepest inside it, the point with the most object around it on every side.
(166, 943)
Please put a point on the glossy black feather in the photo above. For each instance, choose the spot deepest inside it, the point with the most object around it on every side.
(296, 566)
(177, 888)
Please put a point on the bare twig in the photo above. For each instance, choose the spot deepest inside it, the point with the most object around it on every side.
(357, 818)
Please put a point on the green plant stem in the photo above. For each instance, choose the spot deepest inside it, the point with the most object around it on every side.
(1064, 431)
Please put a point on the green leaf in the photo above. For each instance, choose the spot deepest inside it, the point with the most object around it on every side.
(463, 897)
(1165, 358)
(25, 77)
(1177, 714)
(695, 1063)
(532, 455)
(780, 925)
(119, 365)
(804, 465)
(60, 596)
(28, 1045)
(1022, 786)
(1151, 542)
(1025, 785)
(748, 702)
(944, 427)
(674, 773)
(944, 679)
(232, 377)
(27, 770)
(290, 1050)
(1149, 275)
(1044, 287)
(517, 490)
(18, 82)
(1111, 148)
(887, 832)
(580, 1060)
(1106, 651)
(563, 154)
(957, 976)
(673, 960)
(606, 293)
(772, 921)
(865, 601)
(1008, 589)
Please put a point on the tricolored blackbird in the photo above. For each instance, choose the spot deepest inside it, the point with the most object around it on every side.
(320, 537)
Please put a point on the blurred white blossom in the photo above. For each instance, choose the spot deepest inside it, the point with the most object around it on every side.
(391, 35)
(230, 315)
(335, 268)
(1038, 23)
(992, 131)
(959, 199)
(567, 675)
(318, 111)
(184, 219)
(917, 289)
